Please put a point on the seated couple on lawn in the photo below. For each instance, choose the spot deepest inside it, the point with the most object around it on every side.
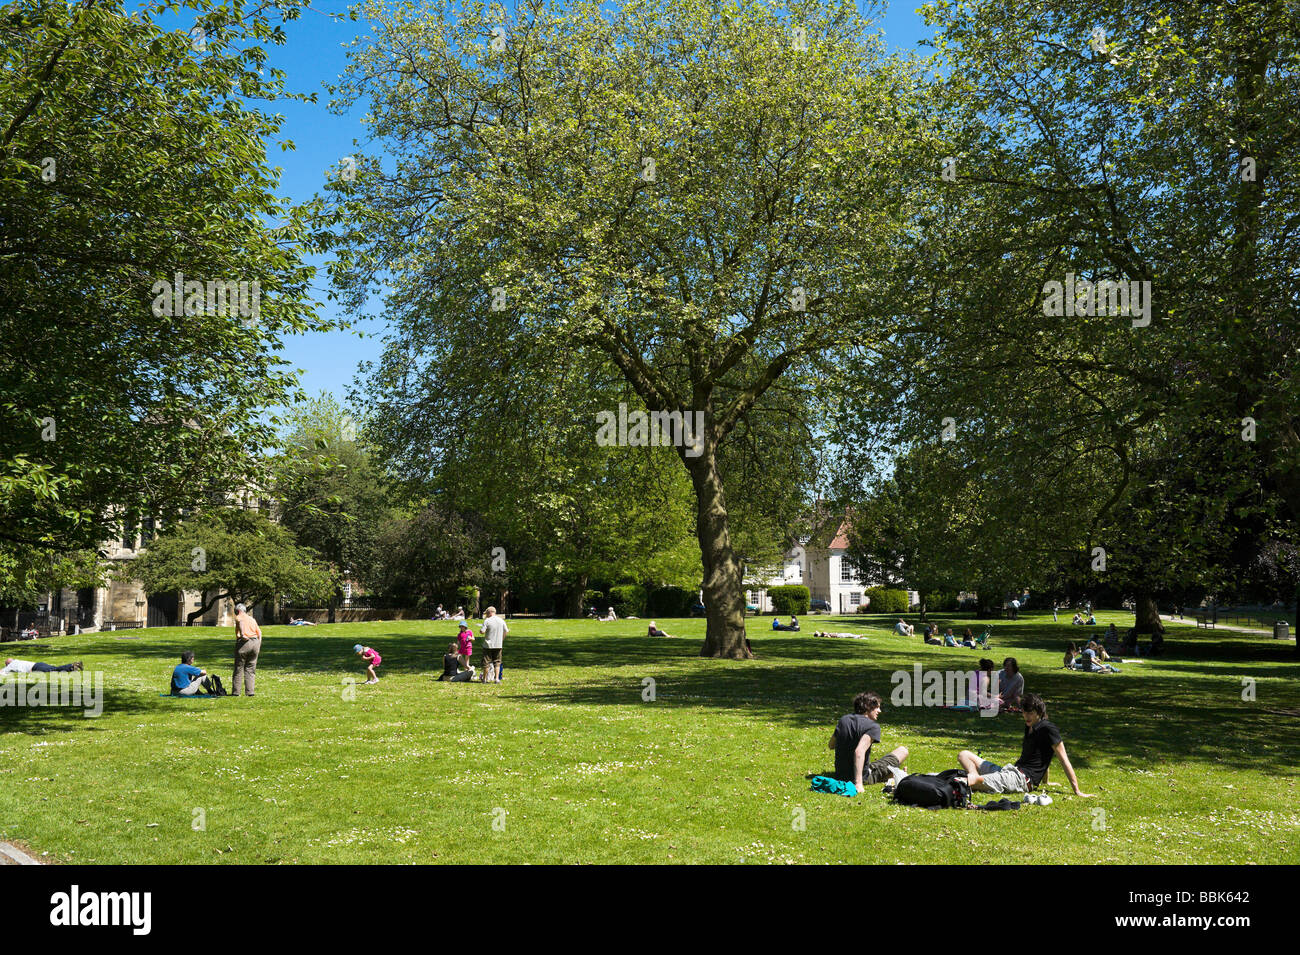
(1093, 658)
(1041, 742)
(792, 625)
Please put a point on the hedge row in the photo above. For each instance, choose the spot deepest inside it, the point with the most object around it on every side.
(884, 600)
(789, 598)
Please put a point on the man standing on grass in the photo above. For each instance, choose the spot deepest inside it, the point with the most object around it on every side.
(494, 632)
(852, 740)
(248, 644)
(1042, 739)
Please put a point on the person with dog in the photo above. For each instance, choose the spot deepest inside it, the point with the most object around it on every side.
(1042, 740)
(855, 734)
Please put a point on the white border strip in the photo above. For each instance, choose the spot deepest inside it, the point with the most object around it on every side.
(16, 855)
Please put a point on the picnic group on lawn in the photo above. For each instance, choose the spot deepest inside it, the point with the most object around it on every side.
(858, 733)
(189, 680)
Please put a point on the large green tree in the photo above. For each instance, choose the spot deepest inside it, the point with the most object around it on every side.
(673, 188)
(131, 151)
(231, 553)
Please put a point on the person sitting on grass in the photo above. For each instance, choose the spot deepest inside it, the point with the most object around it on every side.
(791, 626)
(1011, 683)
(656, 632)
(459, 614)
(1091, 621)
(948, 639)
(451, 668)
(852, 740)
(1042, 739)
(968, 639)
(984, 698)
(932, 634)
(610, 616)
(1088, 660)
(371, 659)
(1071, 654)
(187, 679)
(1078, 620)
(27, 666)
(903, 628)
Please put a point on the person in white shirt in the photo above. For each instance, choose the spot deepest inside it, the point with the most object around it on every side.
(494, 630)
(27, 666)
(903, 628)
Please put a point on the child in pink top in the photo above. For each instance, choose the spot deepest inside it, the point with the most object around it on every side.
(466, 645)
(372, 659)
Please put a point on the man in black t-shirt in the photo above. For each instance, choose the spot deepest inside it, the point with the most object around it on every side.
(852, 740)
(1042, 739)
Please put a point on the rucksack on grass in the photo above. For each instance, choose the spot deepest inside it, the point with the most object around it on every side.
(946, 790)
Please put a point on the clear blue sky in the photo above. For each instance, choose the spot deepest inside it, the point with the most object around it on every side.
(315, 56)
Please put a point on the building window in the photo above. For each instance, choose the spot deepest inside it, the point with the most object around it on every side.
(128, 534)
(855, 599)
(846, 570)
(147, 527)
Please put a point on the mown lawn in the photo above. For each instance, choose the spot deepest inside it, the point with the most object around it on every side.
(565, 761)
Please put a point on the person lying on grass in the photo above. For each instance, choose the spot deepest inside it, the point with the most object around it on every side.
(187, 679)
(854, 735)
(371, 659)
(451, 666)
(844, 635)
(28, 666)
(1042, 740)
(656, 632)
(903, 628)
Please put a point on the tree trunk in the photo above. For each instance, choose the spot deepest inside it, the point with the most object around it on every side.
(724, 600)
(1147, 615)
(573, 605)
(924, 619)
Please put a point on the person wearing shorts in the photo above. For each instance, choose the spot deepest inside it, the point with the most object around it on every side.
(855, 734)
(494, 632)
(1042, 740)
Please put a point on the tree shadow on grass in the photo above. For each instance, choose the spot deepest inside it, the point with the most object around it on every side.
(38, 720)
(1152, 721)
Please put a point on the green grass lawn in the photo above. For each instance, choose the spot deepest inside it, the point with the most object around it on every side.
(572, 765)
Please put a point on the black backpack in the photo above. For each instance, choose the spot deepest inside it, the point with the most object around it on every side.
(947, 790)
(212, 685)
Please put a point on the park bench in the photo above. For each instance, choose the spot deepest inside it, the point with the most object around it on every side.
(1207, 618)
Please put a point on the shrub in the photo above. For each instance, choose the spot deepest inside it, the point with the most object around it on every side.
(467, 597)
(670, 602)
(595, 598)
(628, 600)
(941, 602)
(789, 598)
(885, 600)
